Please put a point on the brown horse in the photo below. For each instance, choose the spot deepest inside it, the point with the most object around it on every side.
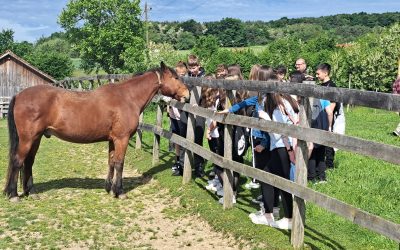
(109, 113)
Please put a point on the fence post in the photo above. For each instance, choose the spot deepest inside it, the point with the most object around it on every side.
(139, 134)
(227, 175)
(299, 208)
(191, 124)
(91, 84)
(156, 142)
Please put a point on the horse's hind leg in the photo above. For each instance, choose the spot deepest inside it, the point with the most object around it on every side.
(109, 179)
(27, 176)
(118, 163)
(16, 163)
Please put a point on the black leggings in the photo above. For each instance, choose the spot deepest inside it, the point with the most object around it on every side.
(219, 170)
(316, 164)
(279, 164)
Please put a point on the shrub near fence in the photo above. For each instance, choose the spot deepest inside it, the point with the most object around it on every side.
(302, 132)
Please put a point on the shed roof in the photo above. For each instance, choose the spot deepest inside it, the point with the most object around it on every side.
(9, 54)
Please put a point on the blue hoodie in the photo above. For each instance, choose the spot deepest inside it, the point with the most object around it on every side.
(252, 101)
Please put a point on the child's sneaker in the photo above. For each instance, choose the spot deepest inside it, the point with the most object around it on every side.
(284, 223)
(252, 185)
(275, 212)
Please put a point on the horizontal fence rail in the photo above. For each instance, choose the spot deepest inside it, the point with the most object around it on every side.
(378, 150)
(349, 96)
(355, 215)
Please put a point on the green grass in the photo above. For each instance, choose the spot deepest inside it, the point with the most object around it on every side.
(74, 207)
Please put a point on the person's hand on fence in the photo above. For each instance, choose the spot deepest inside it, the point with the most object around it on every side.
(225, 111)
(259, 148)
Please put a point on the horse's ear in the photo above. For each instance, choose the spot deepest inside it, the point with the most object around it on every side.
(162, 66)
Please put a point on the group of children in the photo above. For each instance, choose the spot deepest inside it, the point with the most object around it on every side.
(271, 152)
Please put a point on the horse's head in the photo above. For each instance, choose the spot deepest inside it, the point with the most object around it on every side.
(171, 85)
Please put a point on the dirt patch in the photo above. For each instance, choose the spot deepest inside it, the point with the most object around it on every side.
(160, 226)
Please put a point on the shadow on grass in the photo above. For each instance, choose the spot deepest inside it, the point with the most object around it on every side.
(129, 183)
(319, 237)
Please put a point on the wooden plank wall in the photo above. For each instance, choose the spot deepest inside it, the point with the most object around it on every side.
(14, 77)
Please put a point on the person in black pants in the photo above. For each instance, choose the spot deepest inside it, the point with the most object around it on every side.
(195, 70)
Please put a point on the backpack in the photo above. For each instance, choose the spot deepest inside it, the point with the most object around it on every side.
(319, 118)
(241, 141)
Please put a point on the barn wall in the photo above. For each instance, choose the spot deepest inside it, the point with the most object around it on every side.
(15, 76)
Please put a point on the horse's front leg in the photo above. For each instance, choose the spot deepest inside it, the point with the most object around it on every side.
(118, 164)
(109, 179)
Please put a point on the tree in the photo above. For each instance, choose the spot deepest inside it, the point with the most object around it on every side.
(6, 40)
(205, 47)
(22, 49)
(108, 34)
(185, 40)
(55, 64)
(193, 27)
(229, 31)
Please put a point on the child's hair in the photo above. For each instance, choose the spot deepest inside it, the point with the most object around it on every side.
(209, 96)
(281, 69)
(266, 73)
(221, 68)
(209, 76)
(193, 60)
(297, 77)
(324, 67)
(234, 69)
(254, 72)
(181, 66)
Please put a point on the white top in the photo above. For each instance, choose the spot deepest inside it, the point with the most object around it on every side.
(278, 116)
(213, 133)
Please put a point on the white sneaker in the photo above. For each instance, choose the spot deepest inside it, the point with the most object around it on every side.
(260, 219)
(284, 223)
(258, 213)
(252, 185)
(221, 200)
(275, 212)
(214, 182)
(211, 187)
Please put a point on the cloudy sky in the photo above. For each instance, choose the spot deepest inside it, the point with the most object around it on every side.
(31, 19)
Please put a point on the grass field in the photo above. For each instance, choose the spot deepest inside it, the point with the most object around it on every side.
(74, 210)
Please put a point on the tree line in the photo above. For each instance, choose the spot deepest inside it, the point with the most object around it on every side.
(231, 32)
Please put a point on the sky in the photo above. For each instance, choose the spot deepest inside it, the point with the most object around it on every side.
(32, 19)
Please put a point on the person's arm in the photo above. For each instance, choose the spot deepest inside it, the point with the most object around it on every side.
(238, 106)
(329, 111)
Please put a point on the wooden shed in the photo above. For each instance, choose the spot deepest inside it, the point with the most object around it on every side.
(17, 74)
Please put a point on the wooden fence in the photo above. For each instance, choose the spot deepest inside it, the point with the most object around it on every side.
(4, 103)
(304, 134)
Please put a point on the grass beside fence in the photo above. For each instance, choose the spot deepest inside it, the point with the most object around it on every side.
(75, 209)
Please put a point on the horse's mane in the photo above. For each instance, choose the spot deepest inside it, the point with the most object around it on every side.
(158, 69)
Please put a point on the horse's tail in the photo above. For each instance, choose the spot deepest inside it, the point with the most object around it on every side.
(13, 140)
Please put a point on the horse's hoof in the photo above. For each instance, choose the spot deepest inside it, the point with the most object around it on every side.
(15, 199)
(122, 197)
